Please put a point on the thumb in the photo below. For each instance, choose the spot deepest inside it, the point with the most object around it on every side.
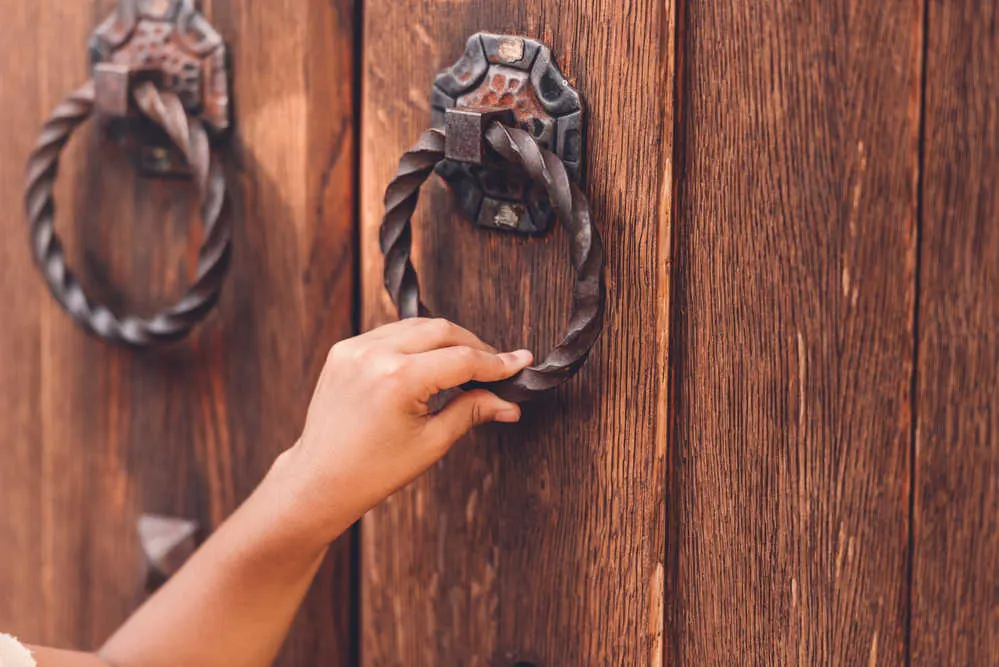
(471, 409)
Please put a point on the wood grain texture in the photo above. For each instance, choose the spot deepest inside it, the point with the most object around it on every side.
(98, 435)
(955, 580)
(540, 543)
(792, 346)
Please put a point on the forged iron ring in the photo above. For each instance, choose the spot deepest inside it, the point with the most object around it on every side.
(191, 139)
(573, 212)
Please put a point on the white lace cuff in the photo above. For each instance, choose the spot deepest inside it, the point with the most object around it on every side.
(13, 653)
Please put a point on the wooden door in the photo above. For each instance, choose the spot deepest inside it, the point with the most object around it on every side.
(784, 448)
(93, 435)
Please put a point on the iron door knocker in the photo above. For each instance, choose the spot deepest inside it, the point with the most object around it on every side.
(160, 80)
(509, 147)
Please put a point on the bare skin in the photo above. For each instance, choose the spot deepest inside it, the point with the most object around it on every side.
(368, 433)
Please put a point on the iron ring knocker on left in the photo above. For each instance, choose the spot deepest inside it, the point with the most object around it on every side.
(159, 70)
(189, 136)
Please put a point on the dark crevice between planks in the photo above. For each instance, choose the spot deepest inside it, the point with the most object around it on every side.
(358, 105)
(914, 386)
(354, 656)
(670, 654)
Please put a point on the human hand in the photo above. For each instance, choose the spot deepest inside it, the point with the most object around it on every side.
(369, 429)
(368, 432)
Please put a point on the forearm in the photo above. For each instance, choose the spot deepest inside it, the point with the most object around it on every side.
(232, 604)
(369, 432)
(50, 657)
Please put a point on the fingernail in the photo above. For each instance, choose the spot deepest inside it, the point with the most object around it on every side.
(508, 416)
(520, 357)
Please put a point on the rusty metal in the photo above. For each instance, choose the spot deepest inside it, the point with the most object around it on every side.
(519, 75)
(167, 543)
(523, 152)
(140, 56)
(169, 43)
(465, 134)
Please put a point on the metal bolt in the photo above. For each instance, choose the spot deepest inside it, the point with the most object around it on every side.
(511, 49)
(506, 217)
(155, 159)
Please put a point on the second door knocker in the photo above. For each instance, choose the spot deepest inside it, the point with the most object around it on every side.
(160, 81)
(507, 138)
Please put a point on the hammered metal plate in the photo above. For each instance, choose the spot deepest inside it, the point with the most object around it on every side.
(518, 74)
(170, 43)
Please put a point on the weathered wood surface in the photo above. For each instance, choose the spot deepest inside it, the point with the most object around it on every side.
(955, 579)
(771, 475)
(93, 436)
(540, 543)
(792, 348)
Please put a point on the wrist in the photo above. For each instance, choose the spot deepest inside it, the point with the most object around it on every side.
(306, 505)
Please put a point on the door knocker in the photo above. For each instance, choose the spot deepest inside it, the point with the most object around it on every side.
(507, 139)
(160, 82)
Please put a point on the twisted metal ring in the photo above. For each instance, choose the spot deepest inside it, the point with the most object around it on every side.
(175, 322)
(572, 210)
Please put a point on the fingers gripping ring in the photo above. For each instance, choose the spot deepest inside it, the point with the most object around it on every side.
(572, 211)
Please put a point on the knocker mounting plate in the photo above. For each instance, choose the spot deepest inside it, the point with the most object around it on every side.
(169, 43)
(518, 76)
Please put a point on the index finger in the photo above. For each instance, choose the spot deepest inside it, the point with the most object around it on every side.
(450, 367)
(417, 335)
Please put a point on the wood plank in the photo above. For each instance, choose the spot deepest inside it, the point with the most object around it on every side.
(20, 427)
(955, 580)
(792, 347)
(541, 543)
(102, 434)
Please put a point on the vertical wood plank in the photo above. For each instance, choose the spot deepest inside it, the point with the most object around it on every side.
(792, 348)
(541, 543)
(101, 435)
(20, 427)
(955, 580)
